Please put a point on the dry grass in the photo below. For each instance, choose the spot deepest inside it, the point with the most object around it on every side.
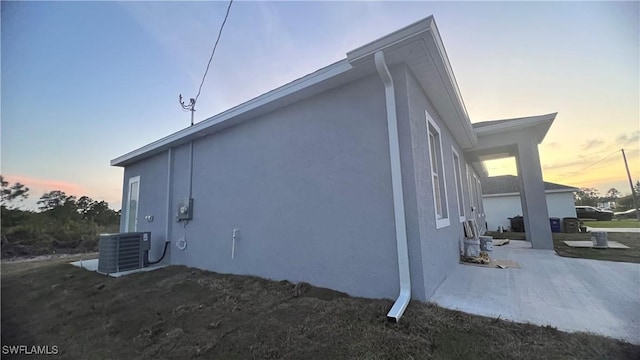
(624, 223)
(182, 313)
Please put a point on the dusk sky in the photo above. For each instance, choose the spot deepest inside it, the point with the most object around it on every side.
(86, 82)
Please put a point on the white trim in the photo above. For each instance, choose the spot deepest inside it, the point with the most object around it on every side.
(404, 297)
(441, 221)
(472, 198)
(424, 31)
(475, 196)
(539, 123)
(457, 174)
(479, 195)
(554, 191)
(515, 123)
(183, 135)
(417, 29)
(126, 219)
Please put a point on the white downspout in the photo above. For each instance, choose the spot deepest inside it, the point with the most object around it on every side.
(398, 198)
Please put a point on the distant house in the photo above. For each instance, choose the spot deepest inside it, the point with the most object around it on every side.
(356, 177)
(501, 198)
(607, 205)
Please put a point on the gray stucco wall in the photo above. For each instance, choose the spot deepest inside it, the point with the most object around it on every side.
(440, 247)
(309, 188)
(406, 135)
(152, 199)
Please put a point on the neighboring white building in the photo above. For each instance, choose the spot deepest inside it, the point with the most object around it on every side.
(609, 205)
(501, 199)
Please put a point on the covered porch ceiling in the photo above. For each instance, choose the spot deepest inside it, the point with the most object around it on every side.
(499, 139)
(520, 138)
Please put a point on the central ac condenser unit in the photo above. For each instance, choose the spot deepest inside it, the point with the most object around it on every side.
(123, 251)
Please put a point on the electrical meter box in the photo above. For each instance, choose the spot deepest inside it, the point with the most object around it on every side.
(185, 210)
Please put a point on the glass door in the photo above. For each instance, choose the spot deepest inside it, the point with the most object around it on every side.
(131, 223)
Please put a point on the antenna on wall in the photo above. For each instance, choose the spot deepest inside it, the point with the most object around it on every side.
(191, 107)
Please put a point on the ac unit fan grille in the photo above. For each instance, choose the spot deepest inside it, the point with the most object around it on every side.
(129, 254)
(122, 252)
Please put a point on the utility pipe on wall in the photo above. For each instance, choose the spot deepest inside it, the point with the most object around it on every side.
(182, 242)
(169, 217)
(404, 297)
(190, 169)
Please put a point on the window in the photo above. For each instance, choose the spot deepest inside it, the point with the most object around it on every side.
(470, 184)
(479, 195)
(475, 193)
(131, 223)
(457, 173)
(440, 202)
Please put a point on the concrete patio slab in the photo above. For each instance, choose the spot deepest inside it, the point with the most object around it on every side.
(495, 263)
(589, 244)
(600, 297)
(92, 265)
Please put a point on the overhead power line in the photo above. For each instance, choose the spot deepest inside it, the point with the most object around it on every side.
(192, 102)
(214, 48)
(597, 162)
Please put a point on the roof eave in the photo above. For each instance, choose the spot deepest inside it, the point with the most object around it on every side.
(426, 31)
(239, 113)
(541, 123)
(552, 191)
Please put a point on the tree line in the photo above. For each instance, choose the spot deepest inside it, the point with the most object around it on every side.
(591, 197)
(59, 205)
(63, 223)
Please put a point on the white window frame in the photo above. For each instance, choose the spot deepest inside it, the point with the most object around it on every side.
(127, 208)
(442, 220)
(475, 193)
(457, 173)
(472, 195)
(479, 194)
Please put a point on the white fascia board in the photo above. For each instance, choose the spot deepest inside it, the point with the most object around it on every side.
(451, 80)
(426, 31)
(555, 191)
(307, 81)
(500, 195)
(366, 51)
(542, 122)
(572, 190)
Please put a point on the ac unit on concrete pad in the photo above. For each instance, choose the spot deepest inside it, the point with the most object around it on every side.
(123, 251)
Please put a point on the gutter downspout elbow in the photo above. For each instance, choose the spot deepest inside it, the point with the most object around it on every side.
(404, 297)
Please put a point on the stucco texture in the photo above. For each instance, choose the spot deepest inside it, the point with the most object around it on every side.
(308, 187)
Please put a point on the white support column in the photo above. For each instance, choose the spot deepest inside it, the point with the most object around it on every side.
(532, 196)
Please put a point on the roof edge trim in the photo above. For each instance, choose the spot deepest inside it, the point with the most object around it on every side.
(553, 191)
(316, 77)
(417, 28)
(521, 123)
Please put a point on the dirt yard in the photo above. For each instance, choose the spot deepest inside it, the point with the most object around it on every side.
(183, 313)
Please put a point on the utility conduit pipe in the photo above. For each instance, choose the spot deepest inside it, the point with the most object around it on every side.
(404, 297)
(169, 192)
